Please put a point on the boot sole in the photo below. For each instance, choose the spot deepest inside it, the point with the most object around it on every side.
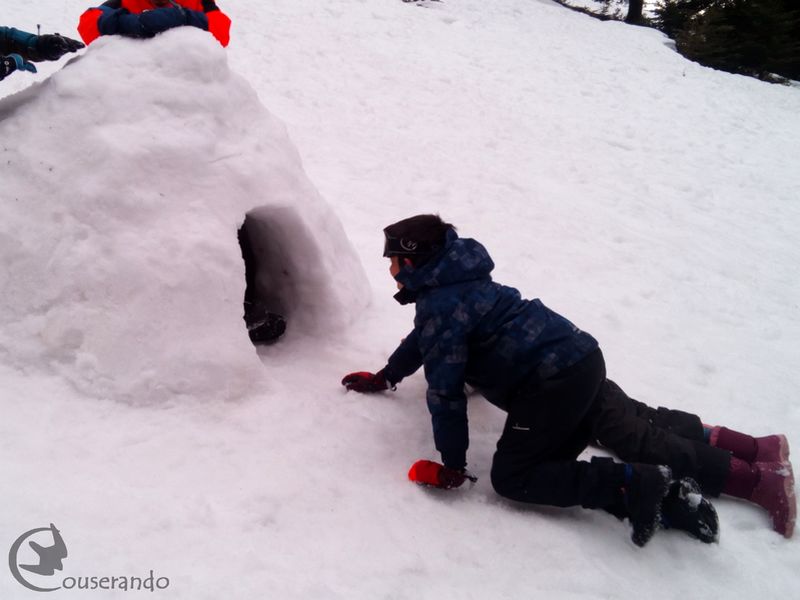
(791, 500)
(775, 493)
(784, 449)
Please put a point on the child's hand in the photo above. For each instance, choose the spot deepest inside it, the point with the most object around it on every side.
(54, 46)
(365, 382)
(427, 472)
(14, 62)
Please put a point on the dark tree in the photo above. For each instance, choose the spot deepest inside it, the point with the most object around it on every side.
(673, 16)
(634, 15)
(752, 37)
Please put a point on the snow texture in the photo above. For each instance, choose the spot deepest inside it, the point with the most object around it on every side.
(650, 200)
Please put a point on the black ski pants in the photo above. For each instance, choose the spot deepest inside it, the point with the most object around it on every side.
(636, 432)
(551, 422)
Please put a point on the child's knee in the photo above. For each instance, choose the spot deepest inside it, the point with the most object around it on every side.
(503, 480)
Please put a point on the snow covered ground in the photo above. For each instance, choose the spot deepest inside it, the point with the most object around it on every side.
(651, 200)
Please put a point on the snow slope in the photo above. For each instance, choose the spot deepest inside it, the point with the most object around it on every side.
(652, 201)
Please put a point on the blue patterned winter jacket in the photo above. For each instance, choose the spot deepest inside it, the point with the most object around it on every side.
(469, 329)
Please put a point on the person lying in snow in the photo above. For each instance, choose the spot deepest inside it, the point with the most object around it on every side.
(550, 377)
(146, 18)
(19, 49)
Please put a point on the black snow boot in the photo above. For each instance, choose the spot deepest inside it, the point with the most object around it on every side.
(263, 327)
(644, 491)
(268, 330)
(684, 508)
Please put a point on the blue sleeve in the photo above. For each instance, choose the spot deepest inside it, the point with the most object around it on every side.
(404, 361)
(16, 41)
(119, 21)
(196, 19)
(443, 343)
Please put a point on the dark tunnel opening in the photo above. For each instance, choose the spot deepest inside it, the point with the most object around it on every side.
(265, 310)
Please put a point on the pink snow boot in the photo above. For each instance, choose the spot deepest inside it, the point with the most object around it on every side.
(767, 449)
(768, 484)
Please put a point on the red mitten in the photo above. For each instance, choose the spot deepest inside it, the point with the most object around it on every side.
(365, 382)
(427, 472)
(219, 25)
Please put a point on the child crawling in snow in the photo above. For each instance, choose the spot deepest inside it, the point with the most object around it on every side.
(550, 377)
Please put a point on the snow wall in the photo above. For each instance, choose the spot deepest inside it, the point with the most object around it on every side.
(124, 180)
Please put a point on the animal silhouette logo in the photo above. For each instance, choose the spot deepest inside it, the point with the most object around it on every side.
(50, 557)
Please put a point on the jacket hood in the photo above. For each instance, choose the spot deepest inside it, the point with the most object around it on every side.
(461, 259)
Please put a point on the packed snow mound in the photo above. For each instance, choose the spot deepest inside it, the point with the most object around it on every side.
(125, 178)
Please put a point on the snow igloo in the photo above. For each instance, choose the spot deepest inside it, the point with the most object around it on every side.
(125, 179)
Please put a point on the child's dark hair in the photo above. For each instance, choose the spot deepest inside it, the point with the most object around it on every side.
(416, 238)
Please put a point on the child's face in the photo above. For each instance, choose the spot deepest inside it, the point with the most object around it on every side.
(394, 269)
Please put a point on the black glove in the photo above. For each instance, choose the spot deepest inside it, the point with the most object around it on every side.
(366, 382)
(14, 62)
(684, 508)
(7, 66)
(54, 46)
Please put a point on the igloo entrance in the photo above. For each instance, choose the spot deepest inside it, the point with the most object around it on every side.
(264, 306)
(279, 254)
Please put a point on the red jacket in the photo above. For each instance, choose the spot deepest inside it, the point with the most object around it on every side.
(219, 24)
